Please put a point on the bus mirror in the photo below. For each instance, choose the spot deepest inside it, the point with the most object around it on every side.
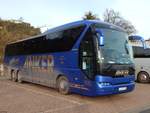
(84, 65)
(101, 41)
(100, 37)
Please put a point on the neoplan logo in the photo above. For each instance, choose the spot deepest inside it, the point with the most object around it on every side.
(122, 72)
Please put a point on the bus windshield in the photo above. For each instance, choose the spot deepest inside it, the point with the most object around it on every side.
(116, 49)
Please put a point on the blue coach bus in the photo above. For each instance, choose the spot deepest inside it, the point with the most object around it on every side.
(86, 57)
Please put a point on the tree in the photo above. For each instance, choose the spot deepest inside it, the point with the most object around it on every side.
(14, 30)
(114, 17)
(90, 16)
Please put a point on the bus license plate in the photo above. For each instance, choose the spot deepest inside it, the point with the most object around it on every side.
(122, 88)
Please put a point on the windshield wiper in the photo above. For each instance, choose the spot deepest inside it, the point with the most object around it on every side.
(126, 47)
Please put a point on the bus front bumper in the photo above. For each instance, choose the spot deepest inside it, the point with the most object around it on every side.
(114, 89)
(109, 85)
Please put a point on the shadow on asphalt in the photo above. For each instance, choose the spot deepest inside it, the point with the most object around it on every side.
(146, 111)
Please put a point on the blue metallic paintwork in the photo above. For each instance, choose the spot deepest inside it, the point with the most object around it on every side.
(116, 83)
(113, 89)
(66, 63)
(71, 71)
(85, 22)
(20, 58)
(94, 89)
(116, 80)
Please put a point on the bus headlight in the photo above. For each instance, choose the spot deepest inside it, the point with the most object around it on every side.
(104, 83)
(132, 82)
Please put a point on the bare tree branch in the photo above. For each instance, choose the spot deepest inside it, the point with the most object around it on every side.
(114, 17)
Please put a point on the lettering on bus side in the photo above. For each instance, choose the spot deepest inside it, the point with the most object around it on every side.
(42, 64)
(14, 62)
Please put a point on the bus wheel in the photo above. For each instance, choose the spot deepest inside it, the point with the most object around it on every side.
(19, 77)
(14, 77)
(143, 77)
(63, 85)
(11, 75)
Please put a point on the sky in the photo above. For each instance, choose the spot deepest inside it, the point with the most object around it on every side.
(52, 13)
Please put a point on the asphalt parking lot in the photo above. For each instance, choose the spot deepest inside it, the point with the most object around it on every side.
(31, 98)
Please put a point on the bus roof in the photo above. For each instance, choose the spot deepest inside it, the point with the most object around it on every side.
(69, 25)
(82, 22)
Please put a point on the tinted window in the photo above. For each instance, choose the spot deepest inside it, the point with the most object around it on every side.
(53, 42)
(140, 52)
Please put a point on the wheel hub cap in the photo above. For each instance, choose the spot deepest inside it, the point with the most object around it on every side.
(143, 77)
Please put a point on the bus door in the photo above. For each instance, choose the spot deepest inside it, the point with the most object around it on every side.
(87, 56)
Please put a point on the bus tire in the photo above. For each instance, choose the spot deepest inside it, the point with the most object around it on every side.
(14, 77)
(19, 77)
(63, 85)
(143, 77)
(11, 75)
